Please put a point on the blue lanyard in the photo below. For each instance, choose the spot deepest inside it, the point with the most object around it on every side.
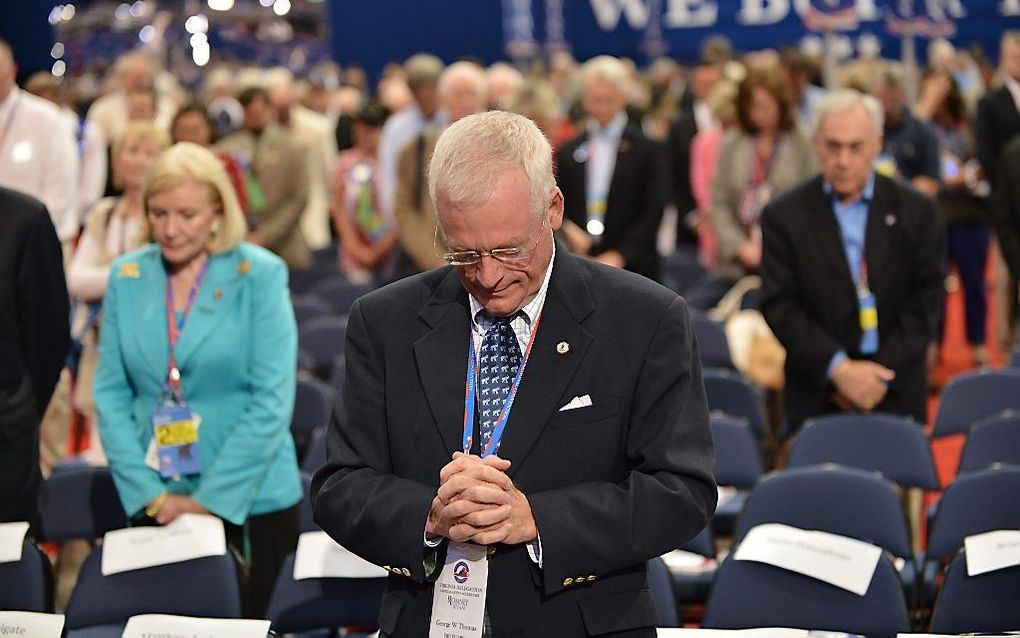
(470, 390)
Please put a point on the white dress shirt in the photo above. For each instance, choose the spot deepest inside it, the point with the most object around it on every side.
(39, 157)
(603, 143)
(90, 266)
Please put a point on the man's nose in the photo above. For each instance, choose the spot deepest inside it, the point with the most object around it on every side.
(490, 271)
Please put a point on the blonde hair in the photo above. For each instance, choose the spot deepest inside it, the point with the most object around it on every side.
(608, 69)
(474, 152)
(186, 161)
(136, 131)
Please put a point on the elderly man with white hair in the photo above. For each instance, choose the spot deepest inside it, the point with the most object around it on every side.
(524, 428)
(613, 177)
(852, 273)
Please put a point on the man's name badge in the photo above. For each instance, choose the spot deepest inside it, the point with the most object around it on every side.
(458, 600)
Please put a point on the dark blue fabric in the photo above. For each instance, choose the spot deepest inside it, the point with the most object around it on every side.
(973, 396)
(994, 440)
(730, 393)
(27, 584)
(82, 503)
(968, 249)
(974, 503)
(983, 603)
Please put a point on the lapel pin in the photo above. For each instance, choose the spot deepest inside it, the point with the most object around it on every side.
(129, 270)
(244, 267)
(890, 220)
(623, 147)
(581, 153)
(217, 294)
(563, 347)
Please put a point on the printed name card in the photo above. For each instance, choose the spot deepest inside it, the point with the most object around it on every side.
(189, 536)
(31, 625)
(992, 551)
(763, 632)
(12, 538)
(319, 556)
(166, 626)
(844, 562)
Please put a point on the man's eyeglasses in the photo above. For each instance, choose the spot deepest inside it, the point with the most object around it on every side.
(512, 255)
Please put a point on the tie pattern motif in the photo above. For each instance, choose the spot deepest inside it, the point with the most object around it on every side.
(499, 359)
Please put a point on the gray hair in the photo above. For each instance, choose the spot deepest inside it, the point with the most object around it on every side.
(474, 73)
(843, 100)
(608, 69)
(474, 152)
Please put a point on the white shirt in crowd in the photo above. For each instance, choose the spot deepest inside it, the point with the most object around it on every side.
(90, 265)
(603, 143)
(38, 156)
(91, 146)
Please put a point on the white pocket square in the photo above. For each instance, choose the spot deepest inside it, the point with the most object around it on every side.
(583, 401)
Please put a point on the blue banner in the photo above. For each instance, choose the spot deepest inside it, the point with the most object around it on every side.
(374, 33)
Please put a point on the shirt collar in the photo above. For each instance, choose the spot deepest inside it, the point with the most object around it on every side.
(613, 130)
(532, 309)
(866, 195)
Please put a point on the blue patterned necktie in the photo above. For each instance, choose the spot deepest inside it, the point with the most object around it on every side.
(498, 361)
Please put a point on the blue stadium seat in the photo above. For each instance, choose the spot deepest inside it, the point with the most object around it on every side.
(693, 588)
(732, 394)
(893, 445)
(206, 587)
(309, 307)
(340, 294)
(1014, 359)
(313, 401)
(306, 517)
(27, 584)
(315, 455)
(82, 504)
(974, 396)
(737, 464)
(305, 362)
(983, 603)
(338, 375)
(976, 502)
(748, 595)
(992, 440)
(323, 603)
(712, 344)
(662, 591)
(324, 338)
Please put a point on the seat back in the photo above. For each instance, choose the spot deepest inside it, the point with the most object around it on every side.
(82, 504)
(703, 543)
(992, 440)
(205, 587)
(737, 459)
(974, 396)
(893, 445)
(313, 402)
(977, 502)
(323, 603)
(309, 307)
(987, 602)
(306, 516)
(340, 294)
(713, 347)
(732, 394)
(27, 584)
(747, 594)
(830, 498)
(661, 585)
(324, 338)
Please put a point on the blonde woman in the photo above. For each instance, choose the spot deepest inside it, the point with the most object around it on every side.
(111, 229)
(198, 329)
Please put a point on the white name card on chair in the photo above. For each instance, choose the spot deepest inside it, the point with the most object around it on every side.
(12, 538)
(763, 632)
(319, 556)
(992, 551)
(30, 624)
(167, 626)
(189, 536)
(844, 562)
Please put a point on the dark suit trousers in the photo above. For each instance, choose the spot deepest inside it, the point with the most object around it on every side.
(20, 478)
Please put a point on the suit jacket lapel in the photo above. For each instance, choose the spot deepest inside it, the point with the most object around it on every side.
(147, 309)
(548, 372)
(621, 169)
(441, 357)
(221, 286)
(879, 236)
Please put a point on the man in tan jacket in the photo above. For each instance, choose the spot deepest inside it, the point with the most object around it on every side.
(463, 90)
(276, 179)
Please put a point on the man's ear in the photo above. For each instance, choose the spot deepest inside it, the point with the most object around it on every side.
(556, 209)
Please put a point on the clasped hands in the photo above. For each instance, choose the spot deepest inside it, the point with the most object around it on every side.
(860, 385)
(477, 502)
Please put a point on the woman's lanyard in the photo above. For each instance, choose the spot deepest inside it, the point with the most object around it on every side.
(175, 326)
(470, 391)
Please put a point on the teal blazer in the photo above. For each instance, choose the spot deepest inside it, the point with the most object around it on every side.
(237, 356)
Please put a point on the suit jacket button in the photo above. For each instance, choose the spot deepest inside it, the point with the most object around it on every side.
(490, 550)
(387, 568)
(406, 572)
(579, 580)
(567, 582)
(591, 578)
